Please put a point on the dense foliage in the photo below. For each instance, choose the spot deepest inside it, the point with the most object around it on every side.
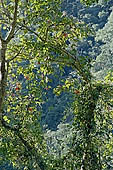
(38, 42)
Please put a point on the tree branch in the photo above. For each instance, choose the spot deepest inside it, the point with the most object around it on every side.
(1, 36)
(76, 63)
(30, 30)
(13, 23)
(11, 59)
(24, 142)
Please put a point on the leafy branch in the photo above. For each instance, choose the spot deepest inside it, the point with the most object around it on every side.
(13, 23)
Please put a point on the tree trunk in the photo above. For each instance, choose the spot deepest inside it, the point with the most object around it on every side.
(3, 75)
(90, 159)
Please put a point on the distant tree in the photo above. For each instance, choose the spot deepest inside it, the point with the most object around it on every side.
(104, 60)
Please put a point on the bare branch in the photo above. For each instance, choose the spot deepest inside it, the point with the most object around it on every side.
(13, 23)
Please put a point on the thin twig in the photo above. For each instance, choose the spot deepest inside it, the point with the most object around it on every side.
(15, 55)
(30, 30)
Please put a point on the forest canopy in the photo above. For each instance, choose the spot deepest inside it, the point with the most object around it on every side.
(49, 63)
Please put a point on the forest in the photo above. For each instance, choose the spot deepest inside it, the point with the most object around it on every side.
(56, 85)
